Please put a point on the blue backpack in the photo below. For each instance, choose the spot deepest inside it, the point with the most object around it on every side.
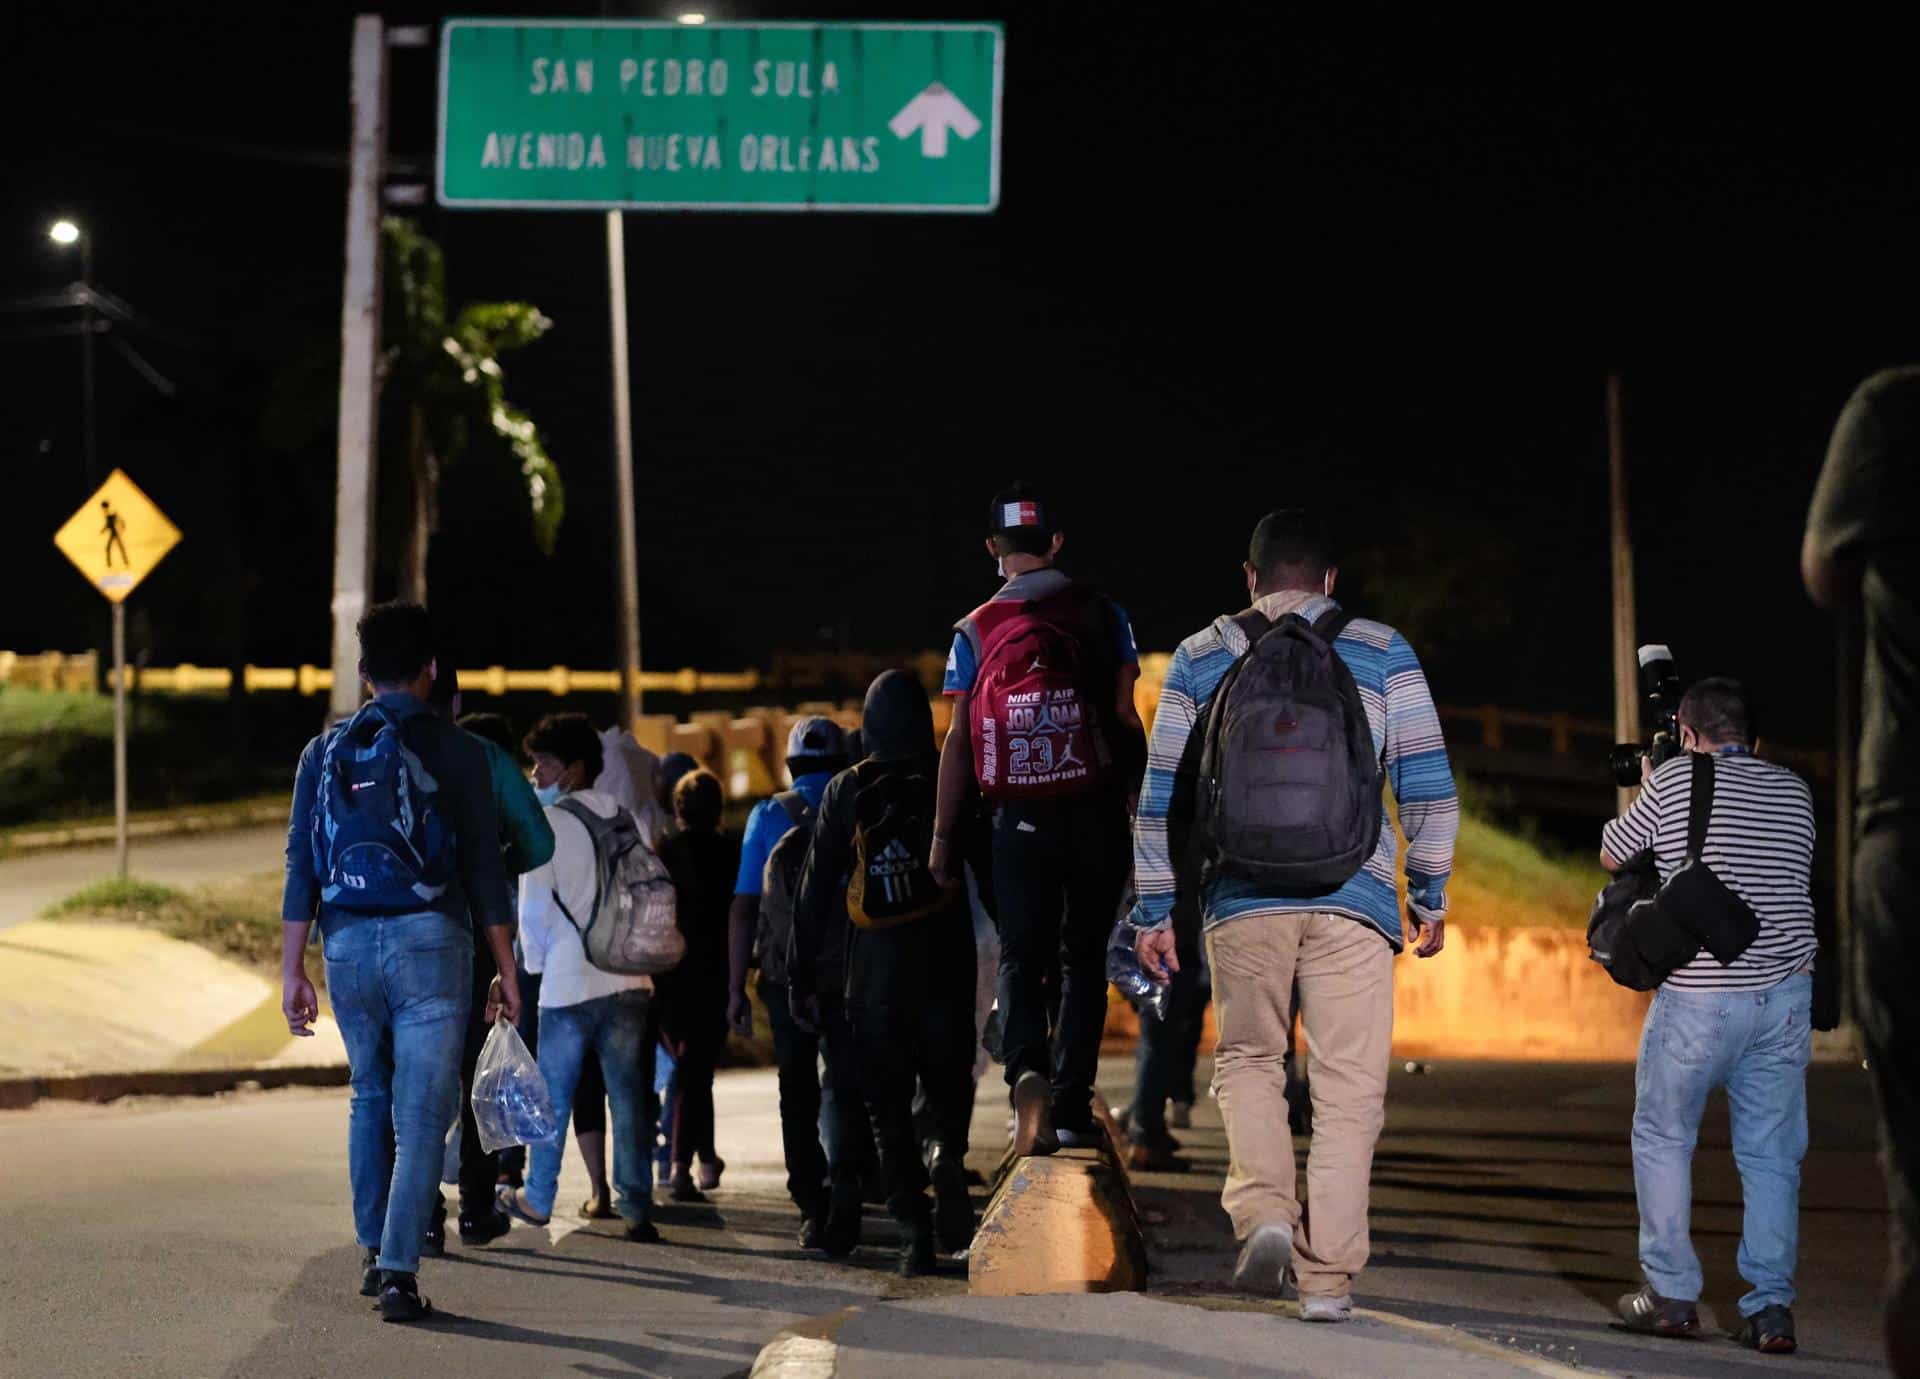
(380, 841)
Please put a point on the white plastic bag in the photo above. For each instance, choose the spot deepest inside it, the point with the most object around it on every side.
(511, 1104)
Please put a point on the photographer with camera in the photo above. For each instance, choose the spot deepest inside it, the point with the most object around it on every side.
(1743, 1025)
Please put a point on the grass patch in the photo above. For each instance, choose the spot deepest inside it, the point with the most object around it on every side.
(1502, 879)
(25, 710)
(239, 919)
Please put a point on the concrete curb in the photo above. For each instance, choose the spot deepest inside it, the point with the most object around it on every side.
(16, 1094)
(214, 819)
(809, 1349)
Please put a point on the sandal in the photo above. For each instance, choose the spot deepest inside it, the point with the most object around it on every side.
(514, 1204)
(598, 1208)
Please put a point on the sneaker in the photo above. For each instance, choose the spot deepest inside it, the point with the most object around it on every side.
(1033, 1116)
(400, 1299)
(813, 1232)
(434, 1245)
(1180, 1115)
(643, 1233)
(1263, 1261)
(682, 1189)
(370, 1274)
(484, 1228)
(1769, 1331)
(1648, 1312)
(710, 1171)
(1320, 1308)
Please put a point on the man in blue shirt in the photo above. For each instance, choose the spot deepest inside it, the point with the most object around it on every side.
(398, 977)
(816, 752)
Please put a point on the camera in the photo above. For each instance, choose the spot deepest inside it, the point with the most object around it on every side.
(1660, 685)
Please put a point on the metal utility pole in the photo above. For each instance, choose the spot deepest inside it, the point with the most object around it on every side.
(86, 374)
(359, 360)
(1626, 680)
(628, 575)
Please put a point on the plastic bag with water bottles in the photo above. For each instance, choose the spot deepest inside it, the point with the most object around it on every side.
(511, 1104)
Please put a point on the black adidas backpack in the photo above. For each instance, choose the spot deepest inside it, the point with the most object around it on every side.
(1289, 781)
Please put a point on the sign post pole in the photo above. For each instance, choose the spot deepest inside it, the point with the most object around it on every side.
(120, 738)
(628, 569)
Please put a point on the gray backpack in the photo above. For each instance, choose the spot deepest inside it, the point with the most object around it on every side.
(1289, 783)
(633, 929)
(780, 886)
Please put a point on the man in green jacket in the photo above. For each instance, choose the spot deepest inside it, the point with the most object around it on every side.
(526, 842)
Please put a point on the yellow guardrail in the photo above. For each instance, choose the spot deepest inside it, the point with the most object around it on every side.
(1563, 733)
(53, 670)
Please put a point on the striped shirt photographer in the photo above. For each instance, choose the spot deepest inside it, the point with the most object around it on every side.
(1759, 841)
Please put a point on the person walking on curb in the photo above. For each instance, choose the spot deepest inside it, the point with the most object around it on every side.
(393, 848)
(1041, 679)
(1274, 731)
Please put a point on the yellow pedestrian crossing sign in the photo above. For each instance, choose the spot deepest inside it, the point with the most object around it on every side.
(117, 537)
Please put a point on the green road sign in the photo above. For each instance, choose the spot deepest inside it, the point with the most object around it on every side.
(719, 117)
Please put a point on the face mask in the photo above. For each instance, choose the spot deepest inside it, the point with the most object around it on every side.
(547, 794)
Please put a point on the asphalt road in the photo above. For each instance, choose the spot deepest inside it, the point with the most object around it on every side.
(211, 1238)
(30, 883)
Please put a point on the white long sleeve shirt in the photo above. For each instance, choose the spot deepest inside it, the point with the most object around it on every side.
(548, 940)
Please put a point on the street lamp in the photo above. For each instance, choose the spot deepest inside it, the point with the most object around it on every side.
(692, 17)
(65, 233)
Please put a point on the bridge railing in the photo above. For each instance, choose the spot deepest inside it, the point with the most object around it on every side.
(1491, 728)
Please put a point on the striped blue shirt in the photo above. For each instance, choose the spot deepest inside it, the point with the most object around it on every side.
(1413, 757)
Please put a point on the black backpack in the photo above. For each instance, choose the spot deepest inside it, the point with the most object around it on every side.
(1288, 787)
(892, 834)
(780, 886)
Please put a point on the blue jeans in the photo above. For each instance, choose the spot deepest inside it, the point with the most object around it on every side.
(615, 1027)
(400, 986)
(1756, 1044)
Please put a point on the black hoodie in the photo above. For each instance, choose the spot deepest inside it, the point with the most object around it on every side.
(887, 973)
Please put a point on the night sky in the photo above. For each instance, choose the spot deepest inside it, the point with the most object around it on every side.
(1238, 263)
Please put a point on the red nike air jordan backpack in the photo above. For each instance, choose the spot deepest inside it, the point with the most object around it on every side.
(1038, 730)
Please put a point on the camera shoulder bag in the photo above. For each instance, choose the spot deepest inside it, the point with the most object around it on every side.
(1629, 932)
(1695, 901)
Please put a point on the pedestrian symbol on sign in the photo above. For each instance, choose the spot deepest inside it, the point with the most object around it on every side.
(114, 531)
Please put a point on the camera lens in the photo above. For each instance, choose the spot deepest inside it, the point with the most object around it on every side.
(1624, 762)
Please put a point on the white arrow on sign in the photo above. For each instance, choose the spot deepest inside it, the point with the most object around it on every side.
(933, 112)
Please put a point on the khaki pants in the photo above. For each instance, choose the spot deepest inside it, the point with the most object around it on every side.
(1344, 970)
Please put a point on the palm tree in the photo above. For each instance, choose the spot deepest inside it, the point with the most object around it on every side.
(443, 375)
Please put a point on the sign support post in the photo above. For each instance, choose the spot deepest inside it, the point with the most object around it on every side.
(627, 572)
(120, 739)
